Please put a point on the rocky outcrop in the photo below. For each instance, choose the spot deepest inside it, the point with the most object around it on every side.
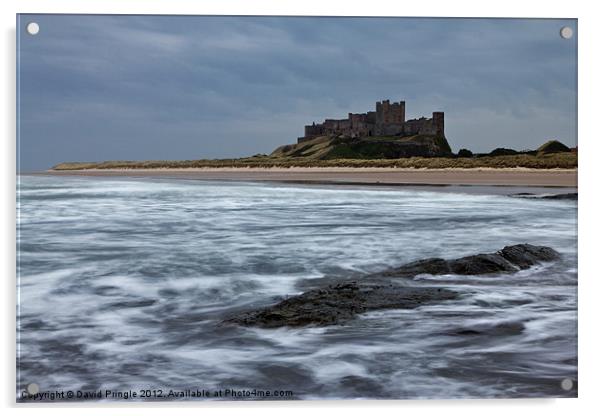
(499, 329)
(508, 260)
(385, 147)
(573, 196)
(527, 255)
(570, 196)
(337, 303)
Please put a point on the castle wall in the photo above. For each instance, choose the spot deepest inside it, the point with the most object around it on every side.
(359, 125)
(332, 126)
(314, 130)
(389, 129)
(417, 126)
(387, 120)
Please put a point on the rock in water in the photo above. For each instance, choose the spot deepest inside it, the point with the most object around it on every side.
(338, 303)
(500, 329)
(573, 196)
(335, 304)
(570, 196)
(508, 260)
(481, 264)
(527, 255)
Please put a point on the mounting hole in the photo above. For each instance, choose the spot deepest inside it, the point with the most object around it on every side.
(566, 384)
(33, 388)
(566, 32)
(33, 28)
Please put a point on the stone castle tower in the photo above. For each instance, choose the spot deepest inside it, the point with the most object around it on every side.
(389, 119)
(387, 113)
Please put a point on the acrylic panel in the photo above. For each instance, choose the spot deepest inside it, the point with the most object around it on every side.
(295, 208)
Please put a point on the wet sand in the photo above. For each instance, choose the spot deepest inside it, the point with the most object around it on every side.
(355, 176)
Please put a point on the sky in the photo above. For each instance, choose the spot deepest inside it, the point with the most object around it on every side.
(94, 88)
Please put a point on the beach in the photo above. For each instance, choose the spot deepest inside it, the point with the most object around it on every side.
(519, 177)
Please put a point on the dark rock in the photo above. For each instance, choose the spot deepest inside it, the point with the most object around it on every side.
(567, 196)
(571, 196)
(132, 304)
(501, 329)
(527, 255)
(481, 264)
(508, 260)
(336, 304)
(432, 266)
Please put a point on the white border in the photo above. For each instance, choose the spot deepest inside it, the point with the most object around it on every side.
(590, 155)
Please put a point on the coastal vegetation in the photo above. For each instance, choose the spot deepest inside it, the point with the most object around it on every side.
(565, 160)
(418, 152)
(373, 147)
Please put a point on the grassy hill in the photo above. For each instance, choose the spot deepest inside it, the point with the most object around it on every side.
(328, 148)
(419, 152)
(553, 146)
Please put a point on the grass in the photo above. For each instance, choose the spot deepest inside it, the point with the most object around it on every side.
(547, 161)
(371, 147)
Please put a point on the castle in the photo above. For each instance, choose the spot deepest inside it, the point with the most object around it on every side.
(389, 119)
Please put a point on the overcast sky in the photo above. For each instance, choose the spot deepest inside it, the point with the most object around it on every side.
(98, 88)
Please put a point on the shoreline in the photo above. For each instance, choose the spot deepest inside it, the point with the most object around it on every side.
(511, 177)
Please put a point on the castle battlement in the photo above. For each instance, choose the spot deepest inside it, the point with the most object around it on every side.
(389, 119)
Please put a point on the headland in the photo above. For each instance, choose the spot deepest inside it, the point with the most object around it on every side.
(378, 147)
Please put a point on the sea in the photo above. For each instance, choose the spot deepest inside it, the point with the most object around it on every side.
(123, 285)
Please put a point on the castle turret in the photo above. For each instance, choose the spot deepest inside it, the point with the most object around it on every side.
(402, 112)
(438, 123)
(387, 113)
